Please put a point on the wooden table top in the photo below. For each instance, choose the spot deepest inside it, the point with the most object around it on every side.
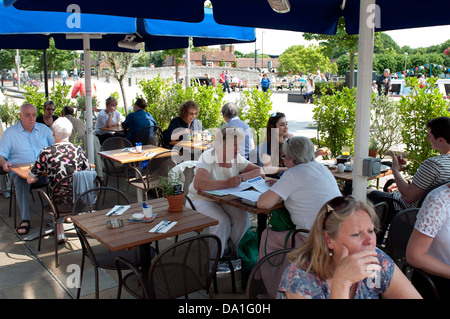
(347, 176)
(24, 169)
(123, 157)
(191, 144)
(237, 202)
(133, 234)
(116, 129)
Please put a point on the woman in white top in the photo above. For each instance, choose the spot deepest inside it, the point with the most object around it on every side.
(428, 246)
(304, 188)
(108, 117)
(219, 168)
(310, 88)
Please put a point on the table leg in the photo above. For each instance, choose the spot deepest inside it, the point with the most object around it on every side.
(262, 224)
(139, 192)
(146, 260)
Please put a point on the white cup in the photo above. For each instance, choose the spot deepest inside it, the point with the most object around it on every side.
(341, 167)
(148, 211)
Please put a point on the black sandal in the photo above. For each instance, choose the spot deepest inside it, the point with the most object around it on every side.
(24, 225)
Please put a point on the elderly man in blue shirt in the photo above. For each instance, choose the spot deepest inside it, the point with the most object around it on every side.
(137, 120)
(230, 113)
(21, 143)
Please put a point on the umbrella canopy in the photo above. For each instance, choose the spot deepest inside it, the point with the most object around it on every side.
(189, 11)
(204, 33)
(362, 17)
(304, 15)
(21, 29)
(322, 16)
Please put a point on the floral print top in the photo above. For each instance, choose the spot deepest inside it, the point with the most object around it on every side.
(58, 161)
(308, 284)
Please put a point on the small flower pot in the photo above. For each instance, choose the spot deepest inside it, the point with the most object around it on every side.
(176, 202)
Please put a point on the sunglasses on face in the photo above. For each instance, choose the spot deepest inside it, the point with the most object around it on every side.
(335, 205)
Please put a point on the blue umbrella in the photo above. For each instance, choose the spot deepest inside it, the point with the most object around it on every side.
(189, 11)
(319, 16)
(32, 30)
(204, 33)
(361, 16)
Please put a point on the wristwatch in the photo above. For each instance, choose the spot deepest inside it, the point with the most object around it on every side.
(242, 177)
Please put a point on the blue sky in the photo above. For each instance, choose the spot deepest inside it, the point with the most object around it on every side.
(276, 42)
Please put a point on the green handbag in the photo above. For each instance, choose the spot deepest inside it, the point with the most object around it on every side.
(248, 249)
(280, 220)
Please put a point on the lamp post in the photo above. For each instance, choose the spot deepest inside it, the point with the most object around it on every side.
(406, 55)
(262, 51)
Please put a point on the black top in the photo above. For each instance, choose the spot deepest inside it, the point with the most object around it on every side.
(40, 119)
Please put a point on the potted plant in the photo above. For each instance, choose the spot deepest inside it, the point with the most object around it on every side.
(373, 147)
(171, 188)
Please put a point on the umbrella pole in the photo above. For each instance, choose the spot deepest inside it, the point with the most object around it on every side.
(188, 68)
(363, 96)
(45, 73)
(88, 98)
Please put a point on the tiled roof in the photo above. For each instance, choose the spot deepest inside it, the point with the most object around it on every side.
(244, 63)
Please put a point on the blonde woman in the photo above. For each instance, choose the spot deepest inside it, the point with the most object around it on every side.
(218, 168)
(339, 260)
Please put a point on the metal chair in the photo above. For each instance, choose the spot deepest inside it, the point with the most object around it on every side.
(112, 168)
(94, 200)
(265, 277)
(150, 135)
(381, 209)
(58, 204)
(401, 228)
(183, 268)
(157, 166)
(400, 231)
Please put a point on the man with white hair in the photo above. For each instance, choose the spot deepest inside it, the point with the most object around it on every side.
(21, 143)
(230, 113)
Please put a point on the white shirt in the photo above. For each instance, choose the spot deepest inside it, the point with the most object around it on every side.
(101, 121)
(208, 160)
(304, 189)
(433, 220)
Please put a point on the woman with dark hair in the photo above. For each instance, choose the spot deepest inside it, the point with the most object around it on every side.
(340, 260)
(49, 114)
(270, 150)
(184, 124)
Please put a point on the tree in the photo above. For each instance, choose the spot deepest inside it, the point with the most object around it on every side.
(56, 59)
(299, 59)
(120, 63)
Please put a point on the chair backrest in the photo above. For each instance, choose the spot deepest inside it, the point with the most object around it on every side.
(99, 198)
(114, 143)
(161, 164)
(401, 228)
(62, 195)
(426, 194)
(185, 267)
(187, 169)
(150, 135)
(381, 209)
(265, 277)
